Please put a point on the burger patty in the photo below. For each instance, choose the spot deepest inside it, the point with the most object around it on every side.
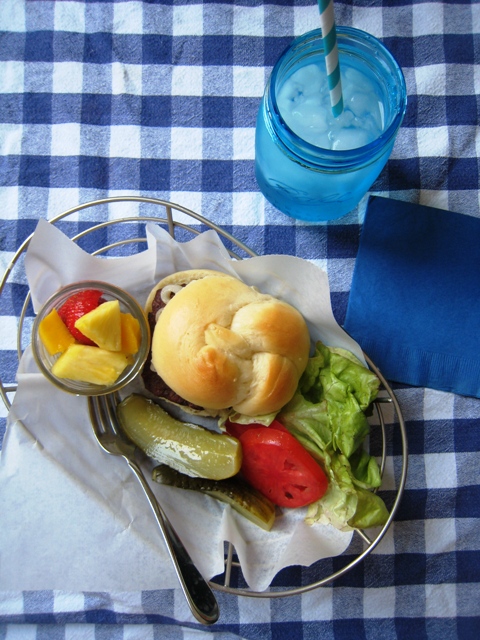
(157, 304)
(156, 385)
(152, 381)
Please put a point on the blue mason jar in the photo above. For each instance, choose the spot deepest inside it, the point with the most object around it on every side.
(315, 183)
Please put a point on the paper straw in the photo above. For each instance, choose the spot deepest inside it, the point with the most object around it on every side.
(329, 36)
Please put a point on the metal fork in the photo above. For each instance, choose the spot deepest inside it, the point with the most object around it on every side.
(112, 439)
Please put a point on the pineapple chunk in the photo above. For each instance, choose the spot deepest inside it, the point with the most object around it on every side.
(103, 326)
(53, 333)
(90, 364)
(131, 335)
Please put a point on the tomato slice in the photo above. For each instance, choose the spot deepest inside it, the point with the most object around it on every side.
(277, 465)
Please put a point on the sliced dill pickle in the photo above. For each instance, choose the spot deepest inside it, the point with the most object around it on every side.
(246, 500)
(186, 447)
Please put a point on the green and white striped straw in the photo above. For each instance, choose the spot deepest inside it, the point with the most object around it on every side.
(329, 36)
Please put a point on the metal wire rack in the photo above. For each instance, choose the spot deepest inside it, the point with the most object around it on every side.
(181, 221)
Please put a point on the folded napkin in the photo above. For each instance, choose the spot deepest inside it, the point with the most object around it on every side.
(414, 305)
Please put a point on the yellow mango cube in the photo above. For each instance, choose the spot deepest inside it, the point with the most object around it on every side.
(103, 326)
(131, 335)
(90, 364)
(53, 333)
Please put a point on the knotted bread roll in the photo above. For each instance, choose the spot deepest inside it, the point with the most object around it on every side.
(219, 343)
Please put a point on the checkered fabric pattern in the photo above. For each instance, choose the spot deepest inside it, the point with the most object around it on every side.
(102, 98)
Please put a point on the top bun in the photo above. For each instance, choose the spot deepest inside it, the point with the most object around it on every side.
(220, 344)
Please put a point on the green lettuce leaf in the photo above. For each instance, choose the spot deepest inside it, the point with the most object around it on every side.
(365, 470)
(339, 504)
(239, 418)
(307, 418)
(362, 382)
(327, 415)
(370, 512)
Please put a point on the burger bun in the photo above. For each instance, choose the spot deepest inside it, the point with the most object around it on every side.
(221, 344)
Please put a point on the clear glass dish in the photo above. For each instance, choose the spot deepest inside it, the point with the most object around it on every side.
(45, 360)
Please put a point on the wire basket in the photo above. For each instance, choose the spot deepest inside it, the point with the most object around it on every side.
(117, 236)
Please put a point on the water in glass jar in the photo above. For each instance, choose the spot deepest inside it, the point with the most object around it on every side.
(304, 103)
(327, 180)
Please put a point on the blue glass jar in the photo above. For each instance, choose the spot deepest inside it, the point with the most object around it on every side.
(316, 183)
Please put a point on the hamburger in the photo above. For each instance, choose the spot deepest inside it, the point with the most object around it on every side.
(220, 346)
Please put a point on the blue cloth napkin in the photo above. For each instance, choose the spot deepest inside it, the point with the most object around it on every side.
(414, 305)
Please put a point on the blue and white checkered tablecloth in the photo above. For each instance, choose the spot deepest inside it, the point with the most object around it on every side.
(159, 98)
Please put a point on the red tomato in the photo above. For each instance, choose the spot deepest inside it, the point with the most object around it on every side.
(277, 465)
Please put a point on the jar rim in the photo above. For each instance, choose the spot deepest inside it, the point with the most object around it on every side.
(314, 154)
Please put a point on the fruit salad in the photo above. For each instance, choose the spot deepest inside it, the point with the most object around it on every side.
(89, 337)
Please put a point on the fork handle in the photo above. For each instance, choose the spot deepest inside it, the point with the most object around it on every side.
(198, 594)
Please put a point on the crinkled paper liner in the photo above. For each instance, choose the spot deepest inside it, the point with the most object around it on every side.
(75, 518)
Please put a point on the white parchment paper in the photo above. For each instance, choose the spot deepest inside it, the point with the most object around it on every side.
(75, 518)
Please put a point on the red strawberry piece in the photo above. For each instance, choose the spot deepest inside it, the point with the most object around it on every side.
(77, 306)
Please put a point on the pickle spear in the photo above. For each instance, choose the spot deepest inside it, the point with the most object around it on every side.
(246, 500)
(190, 449)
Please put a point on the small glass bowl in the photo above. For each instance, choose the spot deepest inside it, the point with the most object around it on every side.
(128, 304)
